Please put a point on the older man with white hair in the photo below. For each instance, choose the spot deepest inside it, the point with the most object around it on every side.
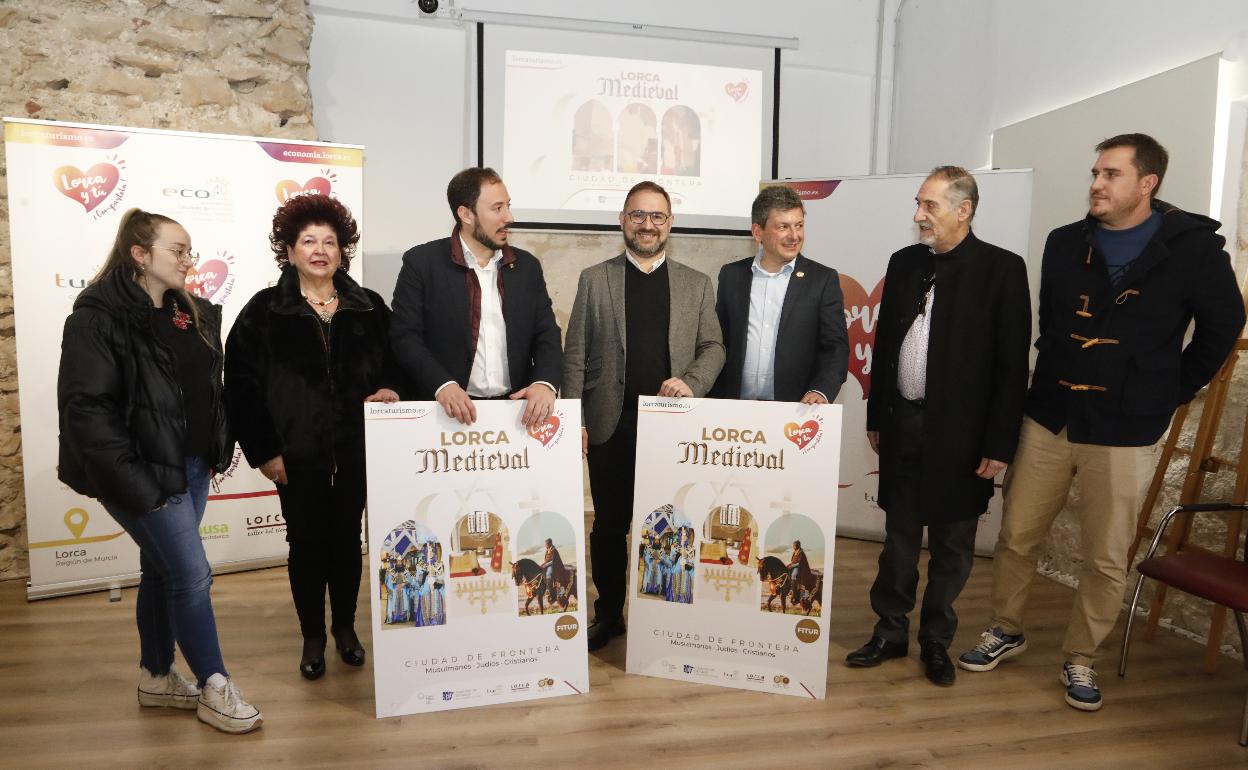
(946, 401)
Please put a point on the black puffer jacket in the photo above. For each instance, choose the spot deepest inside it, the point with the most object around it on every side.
(290, 391)
(121, 414)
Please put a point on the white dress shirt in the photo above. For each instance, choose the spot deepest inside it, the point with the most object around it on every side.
(490, 376)
(654, 266)
(912, 358)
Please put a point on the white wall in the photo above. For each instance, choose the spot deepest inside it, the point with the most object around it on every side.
(383, 77)
(968, 67)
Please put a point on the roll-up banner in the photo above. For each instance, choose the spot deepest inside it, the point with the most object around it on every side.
(733, 537)
(69, 185)
(476, 556)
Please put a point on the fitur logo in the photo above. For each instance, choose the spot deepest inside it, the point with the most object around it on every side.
(98, 190)
(317, 185)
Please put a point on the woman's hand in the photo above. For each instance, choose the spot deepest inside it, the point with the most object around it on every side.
(384, 395)
(275, 470)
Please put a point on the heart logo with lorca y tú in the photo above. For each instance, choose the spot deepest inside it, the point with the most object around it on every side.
(89, 187)
(206, 279)
(288, 188)
(802, 434)
(862, 310)
(545, 432)
(737, 90)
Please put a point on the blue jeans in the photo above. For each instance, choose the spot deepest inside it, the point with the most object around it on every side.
(173, 602)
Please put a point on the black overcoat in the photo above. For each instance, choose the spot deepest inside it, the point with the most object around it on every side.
(976, 369)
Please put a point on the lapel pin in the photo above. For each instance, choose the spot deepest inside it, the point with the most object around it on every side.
(511, 266)
(800, 274)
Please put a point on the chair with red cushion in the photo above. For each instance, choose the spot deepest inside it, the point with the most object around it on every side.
(1219, 579)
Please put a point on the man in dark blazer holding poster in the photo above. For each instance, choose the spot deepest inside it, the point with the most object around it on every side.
(782, 315)
(472, 317)
(946, 402)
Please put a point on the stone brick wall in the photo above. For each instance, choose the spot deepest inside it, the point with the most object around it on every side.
(224, 66)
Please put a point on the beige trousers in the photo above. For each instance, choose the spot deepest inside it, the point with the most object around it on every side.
(1112, 483)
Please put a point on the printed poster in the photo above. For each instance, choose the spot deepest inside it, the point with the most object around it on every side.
(476, 556)
(733, 538)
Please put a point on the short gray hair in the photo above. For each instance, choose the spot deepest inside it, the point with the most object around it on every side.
(776, 197)
(961, 186)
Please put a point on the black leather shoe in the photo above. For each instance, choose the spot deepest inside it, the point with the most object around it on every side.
(348, 646)
(602, 631)
(937, 666)
(875, 652)
(312, 664)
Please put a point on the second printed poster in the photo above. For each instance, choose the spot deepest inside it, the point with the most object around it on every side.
(734, 526)
(475, 543)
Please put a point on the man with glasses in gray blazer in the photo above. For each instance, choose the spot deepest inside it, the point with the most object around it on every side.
(641, 325)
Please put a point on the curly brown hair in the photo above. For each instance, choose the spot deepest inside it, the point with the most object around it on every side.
(304, 210)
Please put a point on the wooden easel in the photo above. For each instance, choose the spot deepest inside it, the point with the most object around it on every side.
(1201, 462)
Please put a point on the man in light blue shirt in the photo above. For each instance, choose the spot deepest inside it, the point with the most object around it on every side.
(767, 290)
(782, 314)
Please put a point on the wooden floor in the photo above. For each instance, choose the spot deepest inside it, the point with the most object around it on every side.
(68, 671)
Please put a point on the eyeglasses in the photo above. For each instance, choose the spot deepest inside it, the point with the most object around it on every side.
(639, 217)
(181, 254)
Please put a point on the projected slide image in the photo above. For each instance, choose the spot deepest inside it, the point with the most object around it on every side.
(579, 131)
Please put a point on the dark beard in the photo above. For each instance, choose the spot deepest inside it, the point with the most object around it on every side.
(479, 235)
(637, 250)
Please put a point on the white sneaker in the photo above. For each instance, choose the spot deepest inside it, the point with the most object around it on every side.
(170, 691)
(221, 705)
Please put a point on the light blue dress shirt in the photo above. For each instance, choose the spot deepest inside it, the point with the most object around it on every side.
(767, 290)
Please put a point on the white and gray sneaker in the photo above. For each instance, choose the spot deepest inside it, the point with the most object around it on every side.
(221, 705)
(169, 691)
(994, 646)
(1081, 689)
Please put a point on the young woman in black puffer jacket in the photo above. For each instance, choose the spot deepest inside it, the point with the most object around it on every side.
(142, 428)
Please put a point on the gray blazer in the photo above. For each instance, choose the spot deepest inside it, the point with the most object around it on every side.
(594, 349)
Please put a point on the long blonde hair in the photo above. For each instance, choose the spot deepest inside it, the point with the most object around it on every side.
(138, 228)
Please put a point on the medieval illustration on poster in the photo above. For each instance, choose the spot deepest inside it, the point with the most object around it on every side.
(477, 560)
(734, 527)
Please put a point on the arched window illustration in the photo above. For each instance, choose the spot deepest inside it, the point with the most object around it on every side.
(682, 142)
(593, 138)
(638, 150)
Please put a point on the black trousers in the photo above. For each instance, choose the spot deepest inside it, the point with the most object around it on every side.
(611, 468)
(323, 514)
(951, 543)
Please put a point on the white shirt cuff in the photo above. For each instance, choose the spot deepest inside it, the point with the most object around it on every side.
(440, 387)
(553, 389)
